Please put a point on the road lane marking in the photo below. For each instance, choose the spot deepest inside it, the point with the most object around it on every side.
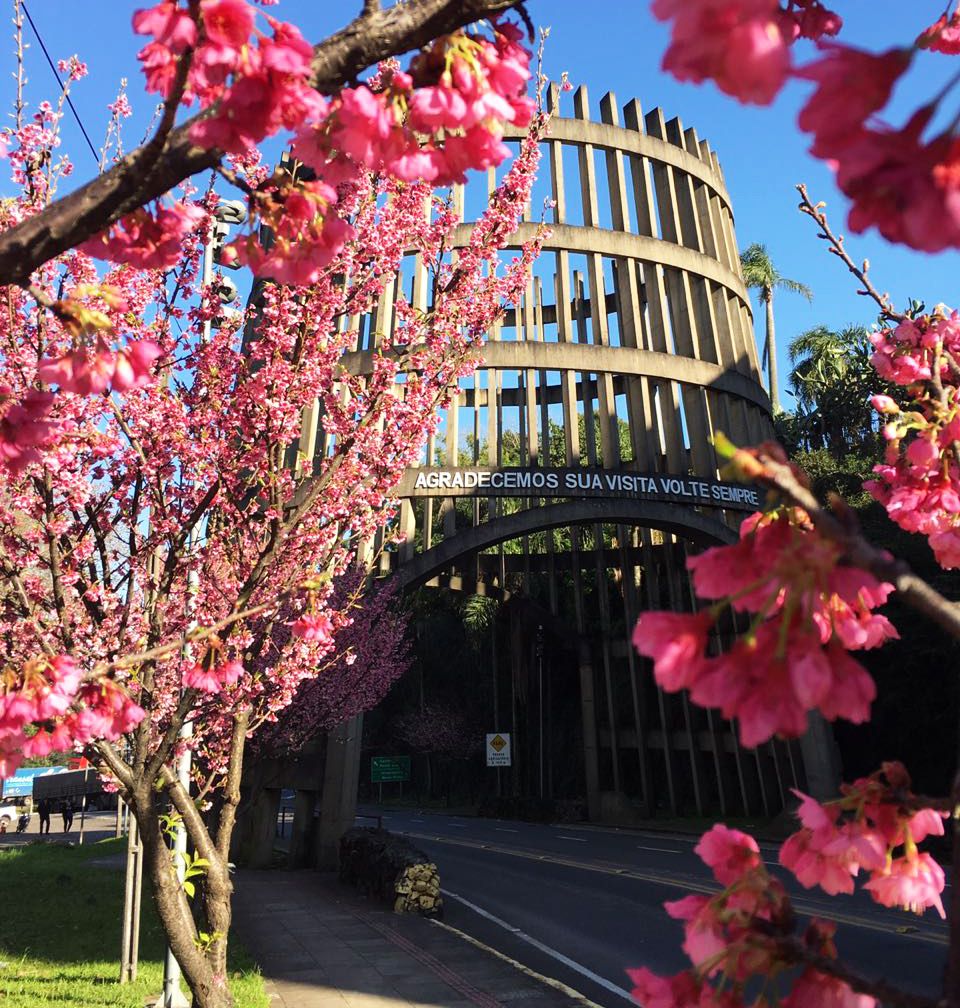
(552, 952)
(560, 836)
(457, 825)
(501, 829)
(803, 906)
(662, 850)
(569, 992)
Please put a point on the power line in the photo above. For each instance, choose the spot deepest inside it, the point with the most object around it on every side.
(76, 115)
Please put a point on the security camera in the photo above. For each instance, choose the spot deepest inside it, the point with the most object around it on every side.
(231, 211)
(227, 291)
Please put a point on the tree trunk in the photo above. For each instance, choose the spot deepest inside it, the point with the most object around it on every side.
(218, 891)
(204, 973)
(772, 379)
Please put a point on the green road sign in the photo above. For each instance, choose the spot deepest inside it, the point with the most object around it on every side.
(389, 768)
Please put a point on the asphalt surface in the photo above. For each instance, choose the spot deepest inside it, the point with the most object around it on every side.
(583, 904)
(96, 826)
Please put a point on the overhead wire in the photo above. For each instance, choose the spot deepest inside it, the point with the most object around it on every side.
(76, 115)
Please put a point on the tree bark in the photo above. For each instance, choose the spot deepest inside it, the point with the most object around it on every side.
(147, 174)
(772, 378)
(209, 988)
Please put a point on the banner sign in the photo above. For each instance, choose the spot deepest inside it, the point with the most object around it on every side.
(578, 481)
(20, 785)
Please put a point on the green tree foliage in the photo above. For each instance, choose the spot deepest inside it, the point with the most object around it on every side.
(832, 380)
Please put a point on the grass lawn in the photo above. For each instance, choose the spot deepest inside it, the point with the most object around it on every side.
(60, 929)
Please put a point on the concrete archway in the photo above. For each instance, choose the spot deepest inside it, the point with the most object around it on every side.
(687, 523)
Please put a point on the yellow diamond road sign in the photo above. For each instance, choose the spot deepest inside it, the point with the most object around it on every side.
(498, 749)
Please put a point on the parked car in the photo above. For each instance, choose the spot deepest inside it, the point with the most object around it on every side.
(9, 814)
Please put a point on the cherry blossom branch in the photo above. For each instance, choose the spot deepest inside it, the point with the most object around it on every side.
(793, 949)
(373, 36)
(114, 762)
(837, 248)
(842, 527)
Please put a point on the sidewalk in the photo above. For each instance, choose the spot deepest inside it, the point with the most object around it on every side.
(320, 945)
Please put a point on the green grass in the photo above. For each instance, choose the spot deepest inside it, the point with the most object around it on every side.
(60, 921)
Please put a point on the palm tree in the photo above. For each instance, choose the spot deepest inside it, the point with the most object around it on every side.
(832, 380)
(760, 273)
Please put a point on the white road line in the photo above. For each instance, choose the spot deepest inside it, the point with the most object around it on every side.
(553, 953)
(560, 836)
(501, 829)
(457, 825)
(662, 850)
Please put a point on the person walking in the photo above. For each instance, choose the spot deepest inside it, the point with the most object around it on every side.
(43, 811)
(66, 810)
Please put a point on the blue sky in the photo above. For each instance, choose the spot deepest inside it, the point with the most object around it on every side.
(607, 45)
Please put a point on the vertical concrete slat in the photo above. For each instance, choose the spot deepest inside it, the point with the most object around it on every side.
(652, 592)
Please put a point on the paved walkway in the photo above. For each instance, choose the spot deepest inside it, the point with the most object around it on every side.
(320, 945)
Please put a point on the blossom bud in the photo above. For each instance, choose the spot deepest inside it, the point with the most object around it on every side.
(884, 404)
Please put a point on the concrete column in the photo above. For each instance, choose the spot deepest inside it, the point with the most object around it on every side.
(303, 828)
(254, 840)
(588, 709)
(821, 762)
(338, 800)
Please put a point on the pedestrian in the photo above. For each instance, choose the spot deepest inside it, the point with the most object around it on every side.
(66, 810)
(43, 810)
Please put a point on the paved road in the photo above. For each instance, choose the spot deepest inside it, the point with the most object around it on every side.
(97, 826)
(582, 904)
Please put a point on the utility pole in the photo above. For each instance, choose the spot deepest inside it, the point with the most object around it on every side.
(225, 213)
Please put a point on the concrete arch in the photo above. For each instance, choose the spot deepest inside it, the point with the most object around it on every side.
(681, 521)
(610, 137)
(623, 362)
(623, 245)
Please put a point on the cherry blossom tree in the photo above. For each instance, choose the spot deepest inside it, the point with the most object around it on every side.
(177, 561)
(372, 652)
(802, 579)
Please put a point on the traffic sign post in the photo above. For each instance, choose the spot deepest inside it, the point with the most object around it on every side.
(498, 749)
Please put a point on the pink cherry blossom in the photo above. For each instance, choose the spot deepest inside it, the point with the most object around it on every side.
(813, 20)
(147, 240)
(741, 46)
(793, 660)
(133, 365)
(84, 371)
(851, 86)
(203, 678)
(170, 25)
(316, 629)
(227, 23)
(24, 426)
(813, 989)
(676, 642)
(728, 852)
(943, 35)
(913, 882)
